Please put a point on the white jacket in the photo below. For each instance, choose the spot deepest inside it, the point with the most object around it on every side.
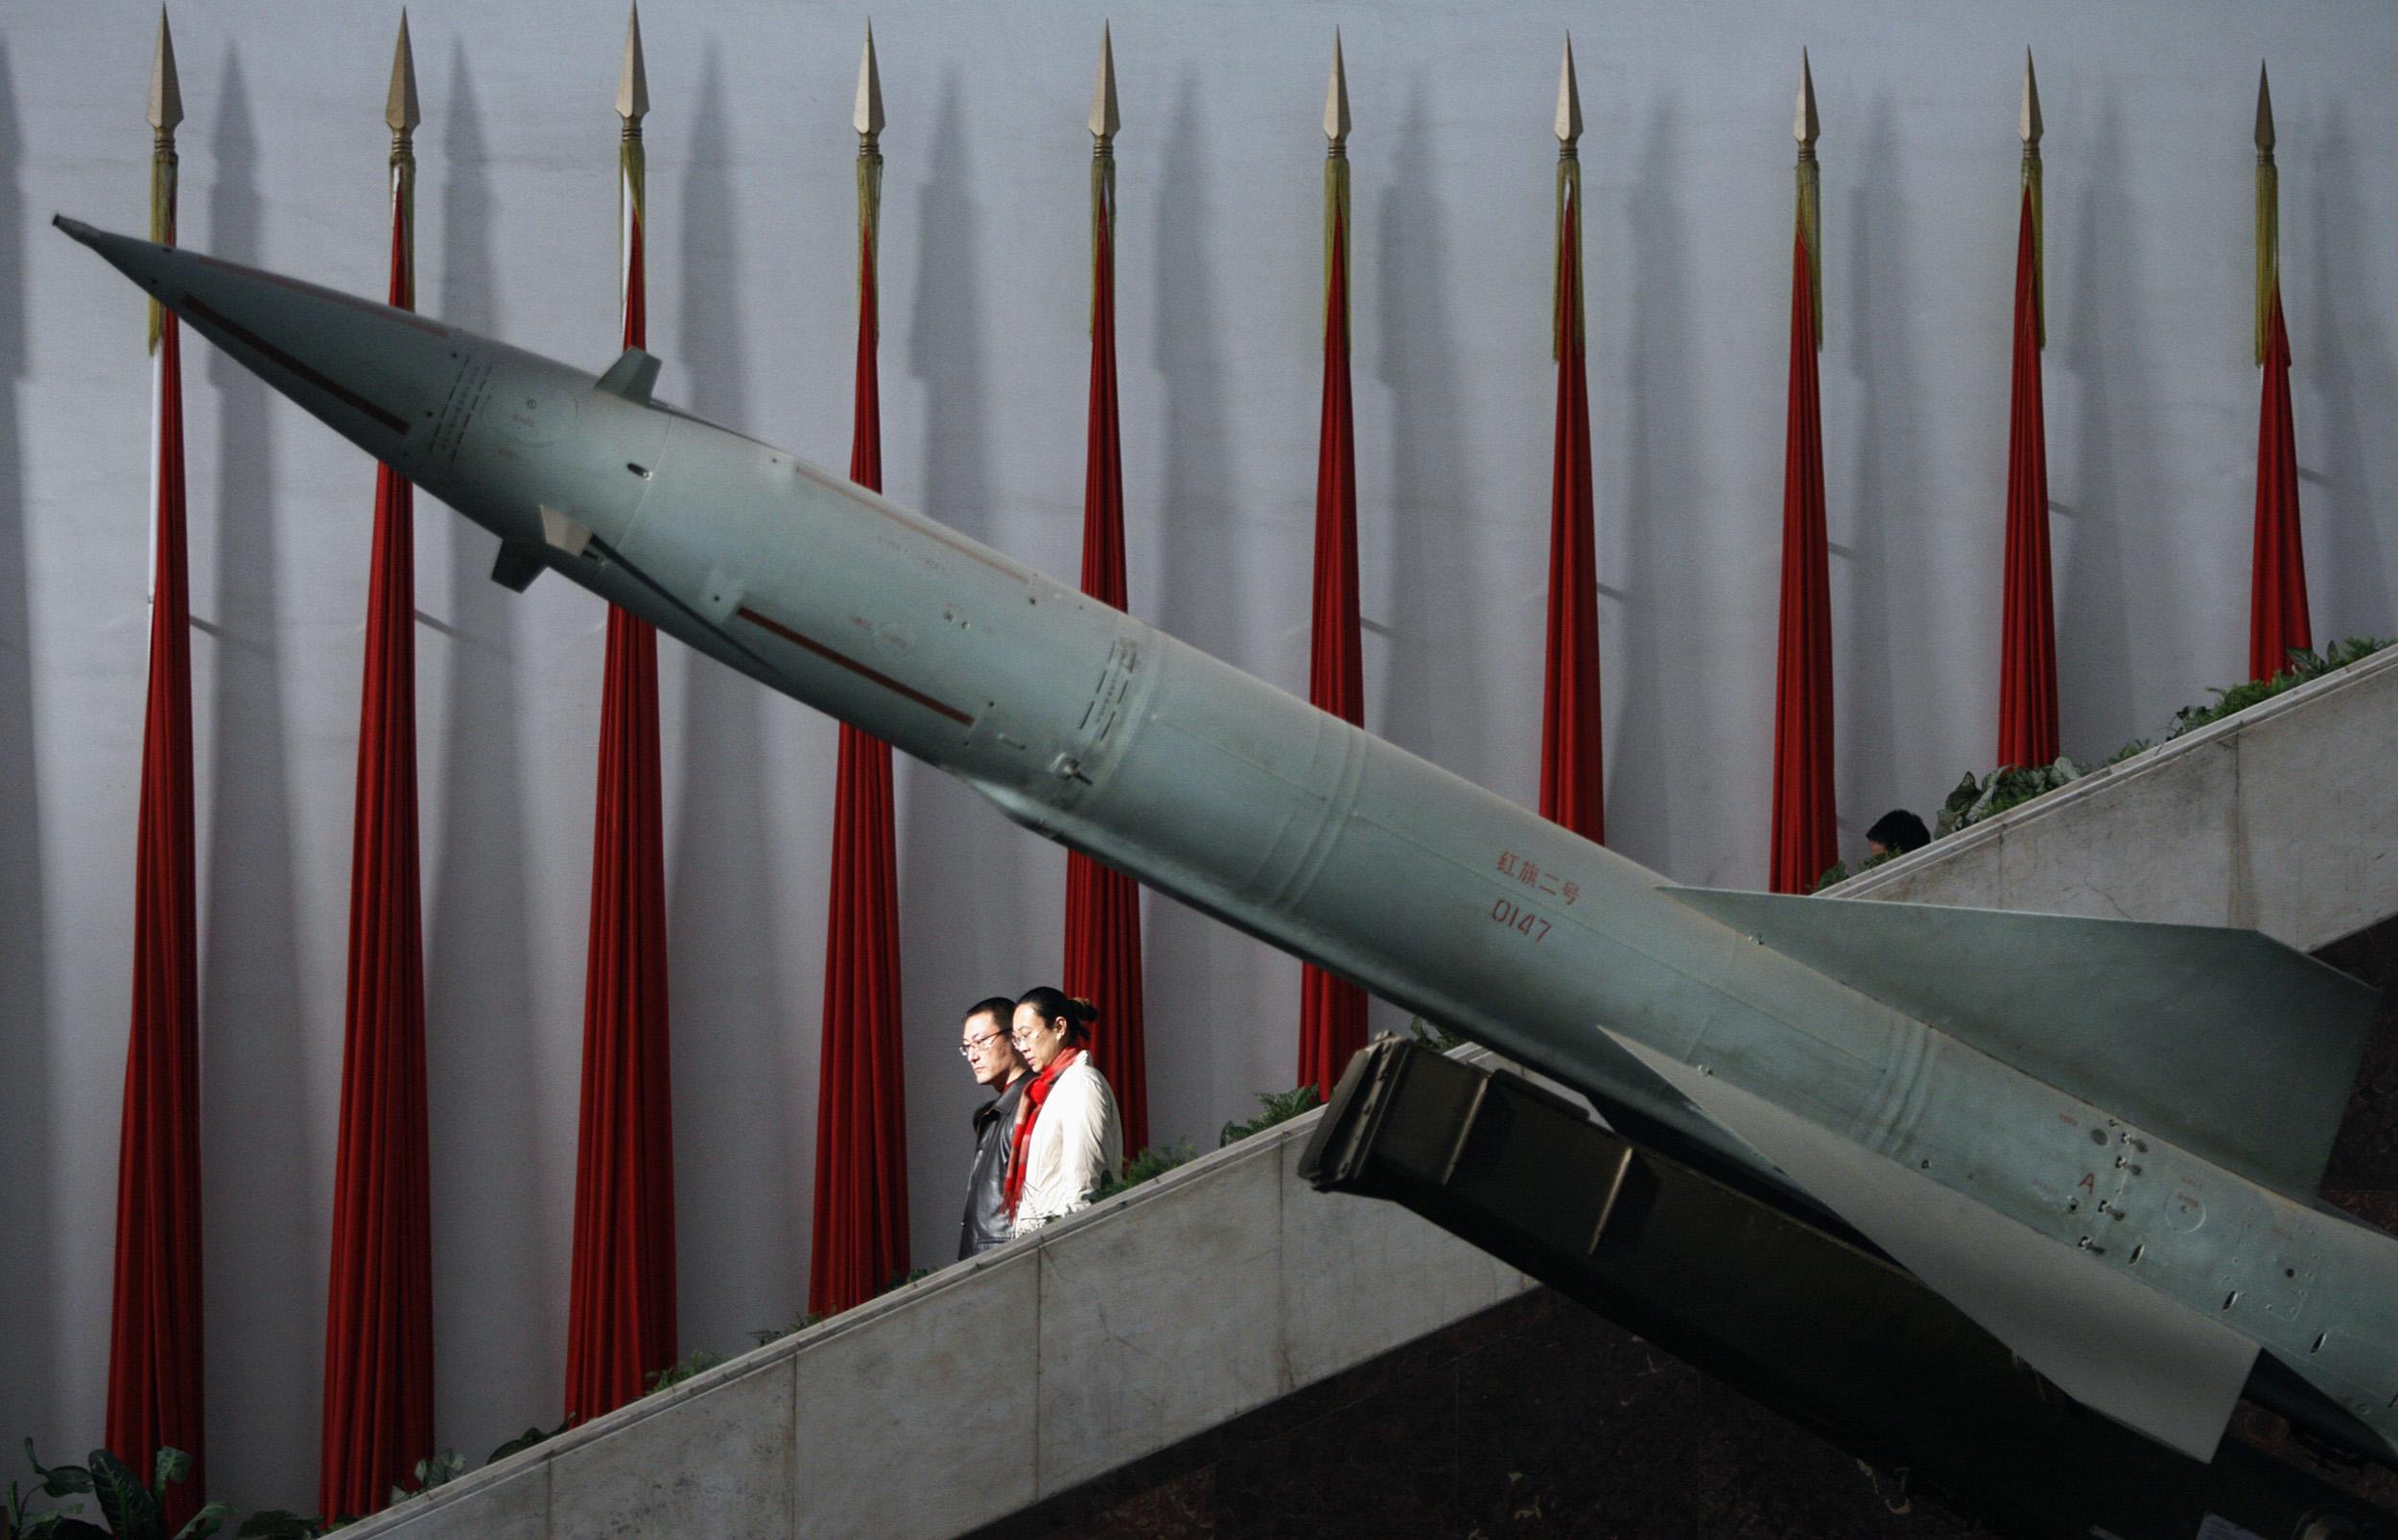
(1076, 1140)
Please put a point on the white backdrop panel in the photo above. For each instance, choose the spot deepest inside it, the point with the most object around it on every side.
(2152, 414)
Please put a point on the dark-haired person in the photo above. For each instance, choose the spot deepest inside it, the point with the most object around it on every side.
(1896, 833)
(1067, 1136)
(997, 1066)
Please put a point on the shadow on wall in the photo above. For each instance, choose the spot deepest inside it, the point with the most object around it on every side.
(2117, 461)
(958, 857)
(1662, 573)
(499, 1338)
(1433, 697)
(1189, 959)
(1434, 694)
(264, 1234)
(1889, 466)
(734, 1022)
(2348, 356)
(31, 1322)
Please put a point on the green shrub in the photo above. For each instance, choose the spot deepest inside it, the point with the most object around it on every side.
(1280, 1107)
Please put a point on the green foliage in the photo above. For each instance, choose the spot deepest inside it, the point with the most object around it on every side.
(1838, 871)
(1280, 1107)
(698, 1362)
(1433, 1035)
(1977, 798)
(1153, 1162)
(775, 1334)
(1980, 797)
(907, 1278)
(2304, 665)
(445, 1466)
(131, 1510)
(128, 1505)
(525, 1441)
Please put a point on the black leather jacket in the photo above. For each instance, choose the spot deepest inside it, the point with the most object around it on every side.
(986, 1223)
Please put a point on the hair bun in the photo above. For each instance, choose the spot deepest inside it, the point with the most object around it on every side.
(1084, 1011)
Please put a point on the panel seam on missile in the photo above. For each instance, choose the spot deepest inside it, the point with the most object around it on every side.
(965, 547)
(331, 387)
(860, 669)
(318, 292)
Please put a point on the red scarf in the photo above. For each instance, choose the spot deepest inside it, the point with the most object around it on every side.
(1035, 1093)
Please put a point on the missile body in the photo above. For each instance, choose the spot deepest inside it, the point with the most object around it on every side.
(2101, 1139)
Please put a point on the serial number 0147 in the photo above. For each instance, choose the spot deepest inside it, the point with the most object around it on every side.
(1514, 918)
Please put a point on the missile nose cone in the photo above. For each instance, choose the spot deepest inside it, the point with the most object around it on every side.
(379, 376)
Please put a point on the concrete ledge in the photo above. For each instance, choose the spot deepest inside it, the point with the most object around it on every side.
(2283, 818)
(1107, 1337)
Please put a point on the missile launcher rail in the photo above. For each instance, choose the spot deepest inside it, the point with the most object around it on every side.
(1840, 1339)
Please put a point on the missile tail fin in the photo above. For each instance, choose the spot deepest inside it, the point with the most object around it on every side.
(634, 376)
(2223, 1042)
(2109, 1342)
(517, 566)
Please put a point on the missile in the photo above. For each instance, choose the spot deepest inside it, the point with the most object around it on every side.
(2101, 1139)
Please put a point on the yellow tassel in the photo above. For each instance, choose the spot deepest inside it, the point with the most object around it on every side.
(631, 185)
(2039, 251)
(162, 177)
(1569, 234)
(869, 216)
(2267, 249)
(404, 200)
(1337, 216)
(1102, 212)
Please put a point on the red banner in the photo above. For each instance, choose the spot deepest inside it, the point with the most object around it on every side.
(154, 1336)
(378, 1385)
(620, 1298)
(1805, 830)
(1573, 787)
(1332, 1010)
(2277, 576)
(858, 1236)
(2027, 656)
(1103, 906)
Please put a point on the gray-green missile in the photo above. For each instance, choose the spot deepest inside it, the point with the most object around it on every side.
(2103, 1140)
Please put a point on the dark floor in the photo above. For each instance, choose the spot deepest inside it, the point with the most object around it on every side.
(1540, 1418)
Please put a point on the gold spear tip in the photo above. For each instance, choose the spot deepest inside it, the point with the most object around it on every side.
(166, 92)
(1105, 120)
(1808, 128)
(1336, 97)
(632, 86)
(2263, 111)
(1568, 98)
(867, 117)
(2028, 123)
(399, 109)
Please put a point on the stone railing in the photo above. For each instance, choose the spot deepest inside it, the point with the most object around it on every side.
(2283, 818)
(992, 1385)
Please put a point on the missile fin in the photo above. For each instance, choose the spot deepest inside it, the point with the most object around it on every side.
(563, 534)
(519, 563)
(2113, 1344)
(2223, 1040)
(633, 376)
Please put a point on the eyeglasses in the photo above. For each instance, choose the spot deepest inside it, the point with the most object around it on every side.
(968, 1047)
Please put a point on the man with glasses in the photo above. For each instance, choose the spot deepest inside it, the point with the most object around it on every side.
(996, 1065)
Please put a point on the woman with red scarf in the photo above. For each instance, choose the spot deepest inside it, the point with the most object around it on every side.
(1067, 1136)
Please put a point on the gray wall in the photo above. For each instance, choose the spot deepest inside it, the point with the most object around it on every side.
(2152, 409)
